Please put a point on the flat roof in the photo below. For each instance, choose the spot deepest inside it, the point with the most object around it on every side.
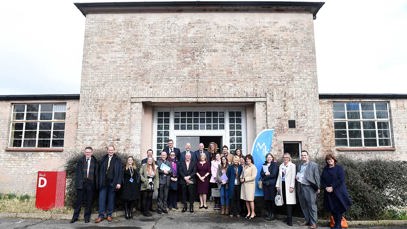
(40, 97)
(362, 96)
(199, 6)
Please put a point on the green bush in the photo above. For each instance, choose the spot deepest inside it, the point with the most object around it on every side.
(70, 173)
(375, 187)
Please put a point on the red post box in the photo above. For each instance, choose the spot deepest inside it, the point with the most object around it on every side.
(50, 190)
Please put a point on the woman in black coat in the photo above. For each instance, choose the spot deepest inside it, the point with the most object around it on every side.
(131, 187)
(269, 174)
(336, 198)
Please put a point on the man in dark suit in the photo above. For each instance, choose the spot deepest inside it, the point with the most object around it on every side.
(197, 155)
(110, 177)
(187, 150)
(85, 182)
(308, 182)
(187, 173)
(164, 182)
(170, 148)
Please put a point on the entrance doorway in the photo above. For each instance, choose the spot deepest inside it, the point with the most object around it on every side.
(207, 139)
(293, 148)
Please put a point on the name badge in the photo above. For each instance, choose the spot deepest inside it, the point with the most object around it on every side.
(131, 180)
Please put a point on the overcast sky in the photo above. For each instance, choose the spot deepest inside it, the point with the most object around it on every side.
(361, 46)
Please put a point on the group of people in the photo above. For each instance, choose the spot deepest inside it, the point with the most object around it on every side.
(197, 173)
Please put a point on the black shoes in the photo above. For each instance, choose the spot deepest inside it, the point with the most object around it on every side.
(184, 209)
(73, 220)
(191, 208)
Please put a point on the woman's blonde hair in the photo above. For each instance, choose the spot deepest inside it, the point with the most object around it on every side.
(127, 163)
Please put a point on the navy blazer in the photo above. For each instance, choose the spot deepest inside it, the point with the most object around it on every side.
(230, 173)
(196, 156)
(183, 171)
(182, 159)
(117, 171)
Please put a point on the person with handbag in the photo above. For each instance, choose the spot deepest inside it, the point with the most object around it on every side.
(269, 175)
(307, 188)
(336, 198)
(286, 185)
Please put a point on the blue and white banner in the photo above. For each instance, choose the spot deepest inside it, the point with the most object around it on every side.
(262, 146)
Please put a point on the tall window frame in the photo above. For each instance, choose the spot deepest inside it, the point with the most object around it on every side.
(362, 124)
(37, 125)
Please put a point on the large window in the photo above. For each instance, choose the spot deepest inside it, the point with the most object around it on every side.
(38, 125)
(362, 124)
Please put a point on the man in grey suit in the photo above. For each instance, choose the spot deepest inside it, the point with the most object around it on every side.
(308, 188)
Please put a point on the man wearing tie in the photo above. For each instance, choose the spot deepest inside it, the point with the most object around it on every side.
(85, 182)
(170, 148)
(110, 176)
(197, 154)
(187, 150)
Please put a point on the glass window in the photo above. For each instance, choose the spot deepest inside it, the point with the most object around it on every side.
(362, 124)
(34, 125)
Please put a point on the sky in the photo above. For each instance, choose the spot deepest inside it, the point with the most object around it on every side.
(361, 47)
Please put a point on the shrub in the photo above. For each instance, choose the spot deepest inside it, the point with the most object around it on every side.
(375, 186)
(70, 173)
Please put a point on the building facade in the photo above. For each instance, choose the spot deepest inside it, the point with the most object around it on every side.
(195, 72)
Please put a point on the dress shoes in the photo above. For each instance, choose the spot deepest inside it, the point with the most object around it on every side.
(184, 209)
(165, 211)
(98, 220)
(313, 226)
(191, 208)
(305, 223)
(87, 220)
(73, 220)
(109, 219)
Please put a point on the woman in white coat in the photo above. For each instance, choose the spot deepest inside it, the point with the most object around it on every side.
(286, 185)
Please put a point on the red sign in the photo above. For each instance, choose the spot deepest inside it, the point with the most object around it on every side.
(50, 190)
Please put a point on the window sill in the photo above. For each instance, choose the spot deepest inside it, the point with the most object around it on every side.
(365, 149)
(15, 149)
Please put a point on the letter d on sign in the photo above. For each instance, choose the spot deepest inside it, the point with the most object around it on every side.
(42, 182)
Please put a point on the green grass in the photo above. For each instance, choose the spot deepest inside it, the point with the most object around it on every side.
(11, 203)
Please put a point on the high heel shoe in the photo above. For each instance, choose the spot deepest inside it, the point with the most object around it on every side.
(206, 207)
(200, 207)
(248, 216)
(252, 217)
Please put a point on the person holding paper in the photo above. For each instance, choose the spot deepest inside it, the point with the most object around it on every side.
(269, 175)
(164, 171)
(222, 180)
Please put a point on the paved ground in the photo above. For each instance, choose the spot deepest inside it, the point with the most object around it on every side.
(176, 220)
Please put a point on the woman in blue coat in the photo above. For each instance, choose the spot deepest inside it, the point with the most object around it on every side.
(269, 174)
(233, 173)
(336, 198)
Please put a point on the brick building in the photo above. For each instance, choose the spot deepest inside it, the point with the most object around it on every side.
(195, 72)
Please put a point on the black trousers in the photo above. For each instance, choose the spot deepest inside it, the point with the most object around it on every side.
(146, 200)
(172, 198)
(289, 206)
(188, 191)
(85, 196)
(235, 201)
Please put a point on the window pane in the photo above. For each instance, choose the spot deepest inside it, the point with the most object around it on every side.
(59, 116)
(189, 127)
(32, 116)
(354, 125)
(353, 115)
(19, 107)
(46, 116)
(30, 125)
(17, 143)
(231, 114)
(44, 134)
(32, 107)
(355, 142)
(383, 133)
(18, 116)
(340, 125)
(59, 126)
(369, 133)
(46, 107)
(369, 125)
(381, 114)
(370, 142)
(382, 125)
(339, 115)
(59, 107)
(352, 106)
(368, 115)
(30, 134)
(17, 134)
(355, 134)
(367, 106)
(44, 143)
(18, 126)
(29, 143)
(339, 107)
(341, 142)
(381, 106)
(340, 134)
(57, 143)
(384, 142)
